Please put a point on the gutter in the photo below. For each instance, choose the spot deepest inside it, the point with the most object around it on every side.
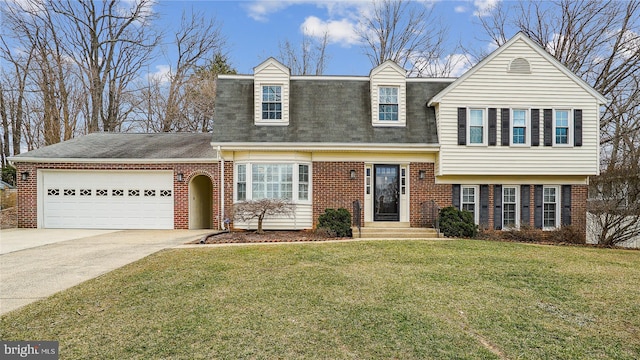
(26, 159)
(239, 146)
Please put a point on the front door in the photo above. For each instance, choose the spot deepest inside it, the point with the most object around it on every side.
(386, 197)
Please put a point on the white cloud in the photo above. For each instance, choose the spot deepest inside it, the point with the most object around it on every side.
(460, 9)
(338, 31)
(453, 65)
(483, 7)
(162, 74)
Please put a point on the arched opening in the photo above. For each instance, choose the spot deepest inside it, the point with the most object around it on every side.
(200, 202)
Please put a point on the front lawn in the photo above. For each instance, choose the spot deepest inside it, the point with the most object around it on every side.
(353, 300)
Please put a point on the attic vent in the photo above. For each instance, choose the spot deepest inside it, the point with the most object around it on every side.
(520, 66)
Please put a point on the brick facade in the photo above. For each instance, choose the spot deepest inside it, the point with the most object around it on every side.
(579, 194)
(28, 192)
(422, 192)
(333, 187)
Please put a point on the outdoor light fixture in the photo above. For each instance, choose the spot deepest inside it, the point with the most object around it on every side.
(180, 177)
(352, 174)
(24, 175)
(421, 174)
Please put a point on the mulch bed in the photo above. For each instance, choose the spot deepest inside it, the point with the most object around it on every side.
(242, 237)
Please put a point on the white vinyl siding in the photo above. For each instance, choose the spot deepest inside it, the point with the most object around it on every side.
(491, 86)
(385, 77)
(271, 94)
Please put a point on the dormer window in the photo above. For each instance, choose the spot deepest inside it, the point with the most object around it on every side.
(388, 104)
(272, 102)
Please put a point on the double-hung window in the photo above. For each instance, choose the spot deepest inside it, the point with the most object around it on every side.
(562, 126)
(271, 102)
(303, 182)
(519, 127)
(469, 201)
(388, 104)
(509, 207)
(551, 207)
(477, 126)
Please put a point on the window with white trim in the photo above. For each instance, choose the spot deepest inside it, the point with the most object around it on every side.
(550, 207)
(477, 128)
(510, 207)
(562, 122)
(519, 125)
(271, 102)
(284, 181)
(469, 201)
(388, 104)
(303, 182)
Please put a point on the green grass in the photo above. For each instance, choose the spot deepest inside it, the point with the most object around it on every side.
(352, 300)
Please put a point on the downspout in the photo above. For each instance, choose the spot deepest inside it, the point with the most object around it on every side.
(221, 223)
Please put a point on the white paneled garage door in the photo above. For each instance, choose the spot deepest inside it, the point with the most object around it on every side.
(107, 199)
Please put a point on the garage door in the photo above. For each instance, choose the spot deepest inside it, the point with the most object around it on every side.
(107, 199)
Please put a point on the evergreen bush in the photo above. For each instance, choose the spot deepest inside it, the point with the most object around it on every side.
(338, 221)
(457, 223)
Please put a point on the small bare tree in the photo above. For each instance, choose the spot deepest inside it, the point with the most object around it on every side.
(259, 209)
(310, 59)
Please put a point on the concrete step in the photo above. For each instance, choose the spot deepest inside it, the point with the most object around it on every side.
(394, 233)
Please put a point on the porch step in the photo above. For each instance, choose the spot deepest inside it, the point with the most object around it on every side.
(377, 232)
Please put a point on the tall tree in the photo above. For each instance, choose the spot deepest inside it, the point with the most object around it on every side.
(310, 58)
(407, 33)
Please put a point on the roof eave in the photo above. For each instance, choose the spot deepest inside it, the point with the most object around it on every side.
(25, 159)
(357, 147)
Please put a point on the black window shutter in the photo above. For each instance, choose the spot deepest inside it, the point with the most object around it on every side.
(462, 126)
(566, 205)
(455, 195)
(577, 127)
(548, 127)
(525, 211)
(535, 127)
(504, 118)
(497, 207)
(493, 123)
(484, 206)
(537, 199)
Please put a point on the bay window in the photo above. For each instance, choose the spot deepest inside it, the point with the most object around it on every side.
(283, 181)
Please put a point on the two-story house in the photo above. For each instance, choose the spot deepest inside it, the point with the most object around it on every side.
(513, 140)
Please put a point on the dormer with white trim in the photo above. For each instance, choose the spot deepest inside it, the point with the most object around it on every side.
(388, 95)
(271, 93)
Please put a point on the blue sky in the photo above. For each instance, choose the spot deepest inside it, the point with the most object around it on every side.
(255, 28)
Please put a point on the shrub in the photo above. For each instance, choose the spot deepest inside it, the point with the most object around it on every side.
(338, 221)
(9, 175)
(457, 223)
(567, 234)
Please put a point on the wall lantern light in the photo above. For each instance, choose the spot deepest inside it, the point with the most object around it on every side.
(421, 174)
(24, 175)
(352, 174)
(180, 177)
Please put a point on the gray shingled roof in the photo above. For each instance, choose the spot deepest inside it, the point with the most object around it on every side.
(323, 111)
(128, 146)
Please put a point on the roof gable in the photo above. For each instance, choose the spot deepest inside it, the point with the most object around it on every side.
(388, 64)
(536, 48)
(272, 63)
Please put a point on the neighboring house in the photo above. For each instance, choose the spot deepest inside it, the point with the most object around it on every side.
(514, 140)
(6, 186)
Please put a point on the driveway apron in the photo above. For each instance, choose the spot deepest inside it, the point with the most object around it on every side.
(31, 274)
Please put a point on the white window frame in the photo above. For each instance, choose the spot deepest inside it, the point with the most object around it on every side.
(262, 102)
(527, 127)
(516, 224)
(295, 186)
(569, 128)
(396, 103)
(557, 206)
(476, 203)
(485, 126)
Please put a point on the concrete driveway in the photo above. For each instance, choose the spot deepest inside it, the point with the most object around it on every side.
(37, 263)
